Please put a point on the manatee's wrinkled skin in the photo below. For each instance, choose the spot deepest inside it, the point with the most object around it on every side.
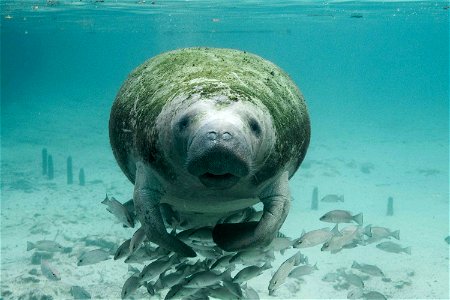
(204, 133)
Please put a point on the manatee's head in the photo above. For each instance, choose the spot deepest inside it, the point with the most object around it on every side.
(219, 141)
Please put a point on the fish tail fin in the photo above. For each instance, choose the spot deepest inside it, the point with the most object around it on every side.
(358, 218)
(368, 230)
(267, 265)
(30, 246)
(407, 250)
(336, 231)
(355, 265)
(315, 267)
(106, 199)
(396, 234)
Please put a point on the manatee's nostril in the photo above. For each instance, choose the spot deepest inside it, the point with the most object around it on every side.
(226, 136)
(212, 135)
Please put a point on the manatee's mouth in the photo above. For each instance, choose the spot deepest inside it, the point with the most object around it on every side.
(219, 181)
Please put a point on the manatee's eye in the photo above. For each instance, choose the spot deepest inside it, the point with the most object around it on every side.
(183, 123)
(254, 126)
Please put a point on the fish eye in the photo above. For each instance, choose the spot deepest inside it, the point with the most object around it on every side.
(254, 126)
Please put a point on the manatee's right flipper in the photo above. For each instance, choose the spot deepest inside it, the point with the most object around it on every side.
(147, 195)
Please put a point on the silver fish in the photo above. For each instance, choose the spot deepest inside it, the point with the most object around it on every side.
(368, 269)
(332, 198)
(130, 286)
(222, 262)
(45, 245)
(137, 239)
(141, 255)
(315, 237)
(302, 271)
(119, 211)
(280, 244)
(250, 293)
(382, 232)
(179, 291)
(341, 216)
(221, 292)
(393, 247)
(252, 256)
(155, 268)
(282, 273)
(234, 288)
(171, 279)
(250, 272)
(49, 271)
(353, 279)
(92, 257)
(123, 250)
(202, 234)
(373, 295)
(78, 292)
(349, 237)
(206, 278)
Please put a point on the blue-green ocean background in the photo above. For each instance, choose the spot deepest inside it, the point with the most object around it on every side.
(375, 75)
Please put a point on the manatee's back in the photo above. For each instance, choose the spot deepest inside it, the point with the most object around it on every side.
(239, 75)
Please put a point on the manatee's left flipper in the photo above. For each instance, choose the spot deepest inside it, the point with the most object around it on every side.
(239, 236)
(147, 195)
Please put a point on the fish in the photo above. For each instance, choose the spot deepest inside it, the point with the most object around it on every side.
(234, 288)
(179, 291)
(341, 216)
(141, 255)
(353, 279)
(92, 257)
(302, 271)
(393, 247)
(171, 279)
(222, 262)
(130, 286)
(280, 244)
(332, 198)
(202, 234)
(250, 293)
(368, 269)
(379, 233)
(45, 245)
(282, 273)
(206, 278)
(119, 211)
(49, 271)
(137, 239)
(157, 267)
(373, 295)
(123, 250)
(250, 272)
(78, 292)
(359, 293)
(447, 239)
(252, 256)
(348, 236)
(221, 292)
(315, 237)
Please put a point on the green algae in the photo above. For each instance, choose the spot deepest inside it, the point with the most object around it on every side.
(208, 72)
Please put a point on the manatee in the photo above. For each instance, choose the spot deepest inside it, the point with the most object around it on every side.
(204, 133)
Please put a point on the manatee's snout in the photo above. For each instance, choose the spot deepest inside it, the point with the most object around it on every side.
(218, 155)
